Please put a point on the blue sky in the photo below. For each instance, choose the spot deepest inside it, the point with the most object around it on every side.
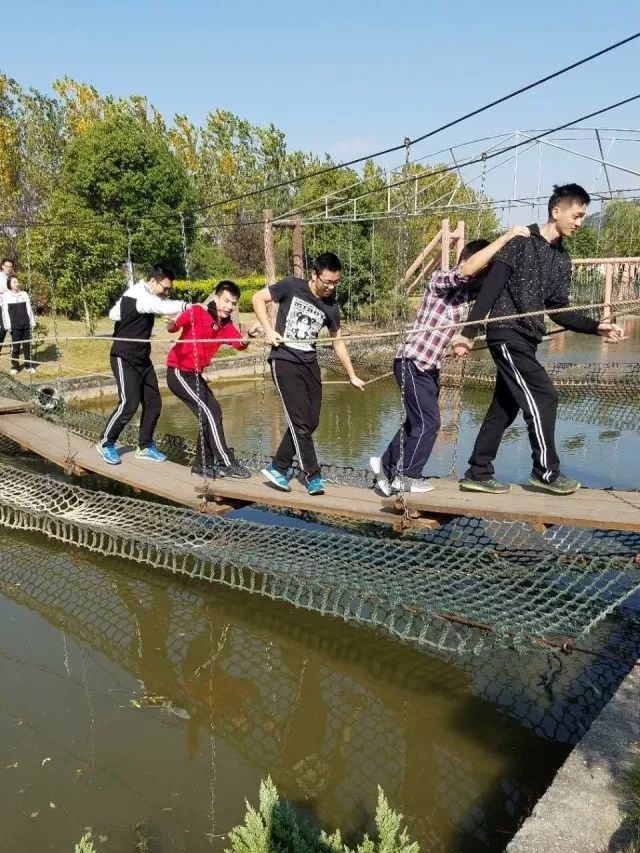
(346, 77)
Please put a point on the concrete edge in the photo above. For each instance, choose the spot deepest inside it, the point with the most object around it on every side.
(583, 810)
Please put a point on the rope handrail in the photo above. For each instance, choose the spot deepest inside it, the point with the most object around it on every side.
(626, 303)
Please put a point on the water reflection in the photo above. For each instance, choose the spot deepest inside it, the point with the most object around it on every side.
(228, 688)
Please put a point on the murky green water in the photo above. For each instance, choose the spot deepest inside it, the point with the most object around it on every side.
(134, 696)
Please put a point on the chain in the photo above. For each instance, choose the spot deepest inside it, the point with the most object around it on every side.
(54, 315)
(187, 272)
(372, 291)
(27, 244)
(130, 276)
(456, 413)
(483, 182)
(402, 258)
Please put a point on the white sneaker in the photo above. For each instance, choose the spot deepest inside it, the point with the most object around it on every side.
(31, 369)
(410, 485)
(382, 481)
(13, 371)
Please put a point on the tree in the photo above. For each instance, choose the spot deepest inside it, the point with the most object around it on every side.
(123, 171)
(81, 263)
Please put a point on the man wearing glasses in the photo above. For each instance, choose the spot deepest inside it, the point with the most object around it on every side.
(304, 307)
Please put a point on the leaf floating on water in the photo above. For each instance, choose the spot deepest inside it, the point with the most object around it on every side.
(135, 703)
(166, 809)
(52, 805)
(103, 838)
(44, 761)
(34, 814)
(9, 766)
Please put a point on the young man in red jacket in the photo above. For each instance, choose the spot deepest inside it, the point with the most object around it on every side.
(204, 329)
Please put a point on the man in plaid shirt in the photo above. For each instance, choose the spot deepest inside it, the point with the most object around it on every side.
(418, 361)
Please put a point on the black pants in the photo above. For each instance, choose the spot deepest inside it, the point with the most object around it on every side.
(193, 390)
(3, 335)
(19, 338)
(522, 383)
(418, 433)
(300, 388)
(137, 385)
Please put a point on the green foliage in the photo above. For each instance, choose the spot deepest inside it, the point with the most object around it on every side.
(275, 827)
(208, 260)
(124, 172)
(199, 290)
(584, 243)
(83, 262)
(621, 230)
(85, 845)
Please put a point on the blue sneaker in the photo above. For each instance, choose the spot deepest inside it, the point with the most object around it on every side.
(151, 453)
(315, 486)
(109, 453)
(275, 477)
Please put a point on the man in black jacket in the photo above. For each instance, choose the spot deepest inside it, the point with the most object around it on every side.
(134, 315)
(531, 275)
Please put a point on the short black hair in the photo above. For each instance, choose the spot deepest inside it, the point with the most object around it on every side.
(12, 276)
(471, 248)
(568, 194)
(230, 286)
(327, 261)
(6, 260)
(159, 271)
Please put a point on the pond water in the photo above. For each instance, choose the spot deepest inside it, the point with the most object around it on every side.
(130, 696)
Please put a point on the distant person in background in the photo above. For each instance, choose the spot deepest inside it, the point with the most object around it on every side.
(418, 361)
(6, 270)
(134, 315)
(203, 328)
(17, 317)
(528, 276)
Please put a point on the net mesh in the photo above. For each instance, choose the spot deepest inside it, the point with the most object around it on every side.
(404, 587)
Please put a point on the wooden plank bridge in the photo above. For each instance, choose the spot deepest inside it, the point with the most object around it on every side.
(591, 508)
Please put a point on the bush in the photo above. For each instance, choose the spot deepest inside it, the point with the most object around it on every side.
(200, 289)
(277, 827)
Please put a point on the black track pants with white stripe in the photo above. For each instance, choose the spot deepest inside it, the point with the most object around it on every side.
(522, 384)
(300, 387)
(193, 390)
(137, 386)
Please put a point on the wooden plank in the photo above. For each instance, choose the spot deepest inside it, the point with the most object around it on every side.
(587, 508)
(167, 480)
(593, 508)
(9, 407)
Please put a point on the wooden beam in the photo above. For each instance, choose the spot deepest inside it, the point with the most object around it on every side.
(421, 257)
(269, 251)
(446, 245)
(298, 250)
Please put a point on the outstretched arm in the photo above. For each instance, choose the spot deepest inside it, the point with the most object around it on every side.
(341, 351)
(480, 259)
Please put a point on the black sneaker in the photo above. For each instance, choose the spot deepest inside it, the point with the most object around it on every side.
(207, 473)
(562, 485)
(236, 471)
(491, 487)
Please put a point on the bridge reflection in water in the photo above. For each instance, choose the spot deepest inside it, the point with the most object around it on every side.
(232, 688)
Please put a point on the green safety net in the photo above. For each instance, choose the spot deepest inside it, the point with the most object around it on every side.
(410, 589)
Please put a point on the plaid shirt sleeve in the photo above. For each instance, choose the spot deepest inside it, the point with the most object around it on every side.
(443, 281)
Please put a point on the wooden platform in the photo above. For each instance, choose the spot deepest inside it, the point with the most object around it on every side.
(587, 508)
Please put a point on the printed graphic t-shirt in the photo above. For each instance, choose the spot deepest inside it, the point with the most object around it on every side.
(300, 317)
